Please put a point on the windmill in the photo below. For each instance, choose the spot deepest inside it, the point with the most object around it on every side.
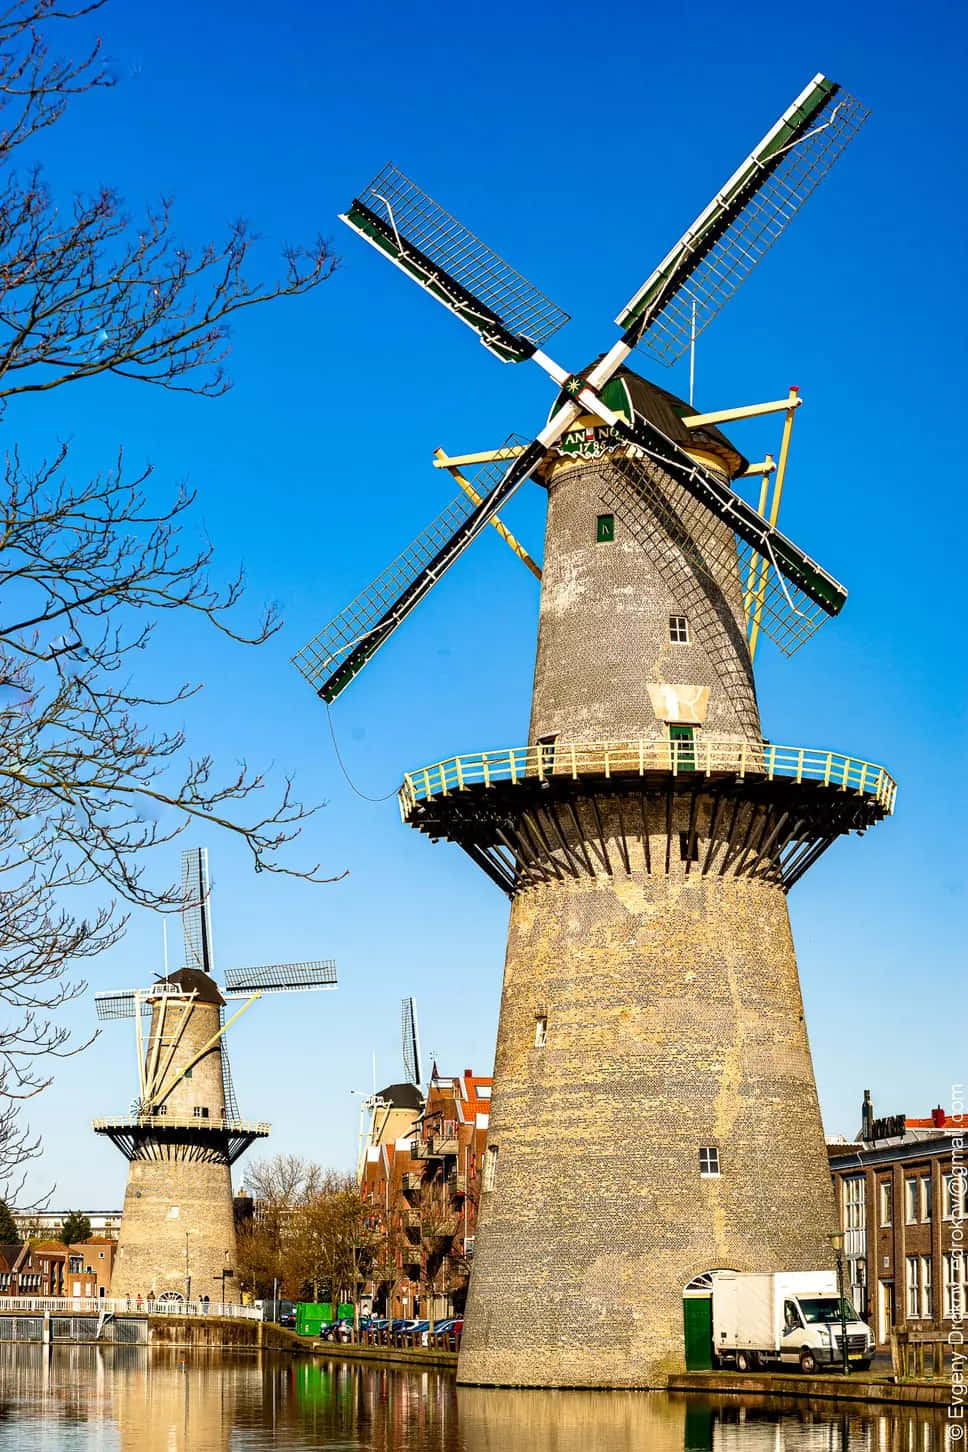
(410, 1034)
(184, 1130)
(646, 832)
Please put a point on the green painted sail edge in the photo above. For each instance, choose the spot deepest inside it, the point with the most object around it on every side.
(362, 225)
(767, 152)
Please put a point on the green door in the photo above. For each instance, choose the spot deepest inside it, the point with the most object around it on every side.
(697, 1319)
(683, 755)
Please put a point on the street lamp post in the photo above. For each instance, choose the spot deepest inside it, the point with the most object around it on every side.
(223, 1274)
(837, 1241)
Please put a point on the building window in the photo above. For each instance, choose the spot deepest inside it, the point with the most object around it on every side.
(887, 1202)
(926, 1197)
(857, 1279)
(540, 1030)
(919, 1296)
(678, 630)
(953, 1196)
(955, 1281)
(605, 529)
(187, 1074)
(911, 1201)
(490, 1166)
(709, 1163)
(854, 1206)
(200, 1111)
(688, 850)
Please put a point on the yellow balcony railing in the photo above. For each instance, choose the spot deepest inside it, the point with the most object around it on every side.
(639, 758)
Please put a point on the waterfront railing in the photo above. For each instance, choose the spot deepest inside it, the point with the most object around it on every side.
(126, 1306)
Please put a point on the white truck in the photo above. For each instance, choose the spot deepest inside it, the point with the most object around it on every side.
(785, 1316)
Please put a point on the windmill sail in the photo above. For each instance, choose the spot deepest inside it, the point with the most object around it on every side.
(726, 241)
(643, 495)
(334, 657)
(713, 494)
(510, 315)
(228, 1088)
(197, 910)
(280, 978)
(123, 1003)
(411, 1041)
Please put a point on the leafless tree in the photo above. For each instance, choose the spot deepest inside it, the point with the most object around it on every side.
(307, 1230)
(91, 774)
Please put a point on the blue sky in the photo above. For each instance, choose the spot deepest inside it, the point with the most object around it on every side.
(579, 147)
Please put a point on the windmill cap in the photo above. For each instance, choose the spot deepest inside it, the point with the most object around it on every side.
(193, 980)
(666, 412)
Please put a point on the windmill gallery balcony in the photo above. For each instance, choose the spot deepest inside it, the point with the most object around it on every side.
(147, 1136)
(529, 813)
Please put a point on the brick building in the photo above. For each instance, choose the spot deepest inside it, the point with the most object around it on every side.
(51, 1268)
(900, 1189)
(421, 1192)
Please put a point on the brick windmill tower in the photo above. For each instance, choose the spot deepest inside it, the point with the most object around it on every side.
(184, 1132)
(646, 833)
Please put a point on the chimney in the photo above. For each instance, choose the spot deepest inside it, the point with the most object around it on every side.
(938, 1117)
(867, 1118)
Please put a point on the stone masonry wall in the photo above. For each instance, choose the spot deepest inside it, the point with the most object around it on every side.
(674, 1022)
(603, 633)
(170, 1205)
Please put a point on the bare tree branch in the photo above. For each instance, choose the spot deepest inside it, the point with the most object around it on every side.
(92, 772)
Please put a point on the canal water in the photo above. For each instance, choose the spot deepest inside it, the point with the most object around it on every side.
(130, 1399)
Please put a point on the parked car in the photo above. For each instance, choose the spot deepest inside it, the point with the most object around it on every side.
(452, 1325)
(288, 1318)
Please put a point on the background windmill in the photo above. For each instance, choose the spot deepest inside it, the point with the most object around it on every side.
(185, 1131)
(646, 833)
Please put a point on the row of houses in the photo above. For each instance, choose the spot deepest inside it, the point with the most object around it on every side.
(51, 1268)
(421, 1173)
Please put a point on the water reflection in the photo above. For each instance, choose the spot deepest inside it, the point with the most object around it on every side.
(127, 1399)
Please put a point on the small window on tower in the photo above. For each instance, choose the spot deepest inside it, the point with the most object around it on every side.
(547, 747)
(605, 532)
(709, 1163)
(540, 1030)
(678, 630)
(688, 849)
(187, 1074)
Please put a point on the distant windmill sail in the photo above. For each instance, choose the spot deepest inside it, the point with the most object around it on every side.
(196, 909)
(411, 1041)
